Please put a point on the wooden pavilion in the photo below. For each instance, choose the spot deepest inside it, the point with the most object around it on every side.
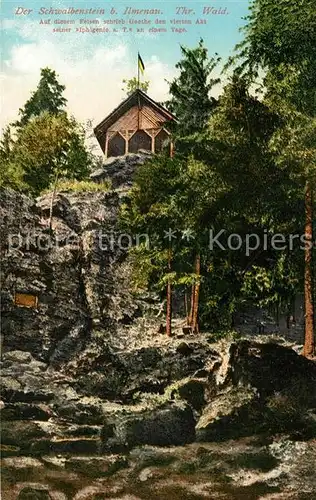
(137, 123)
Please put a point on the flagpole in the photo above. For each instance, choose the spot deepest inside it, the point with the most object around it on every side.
(138, 86)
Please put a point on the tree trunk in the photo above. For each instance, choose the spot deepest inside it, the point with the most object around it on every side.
(278, 313)
(52, 201)
(309, 345)
(191, 305)
(169, 299)
(195, 324)
(186, 306)
(288, 320)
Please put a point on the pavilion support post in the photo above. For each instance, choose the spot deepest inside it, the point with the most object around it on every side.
(126, 142)
(152, 134)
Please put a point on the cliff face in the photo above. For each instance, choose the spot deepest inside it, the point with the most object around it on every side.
(77, 272)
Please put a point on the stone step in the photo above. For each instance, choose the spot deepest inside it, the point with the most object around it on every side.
(13, 392)
(96, 466)
(7, 450)
(79, 445)
(65, 446)
(25, 411)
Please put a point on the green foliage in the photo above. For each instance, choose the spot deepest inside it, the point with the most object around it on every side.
(294, 146)
(71, 185)
(48, 145)
(45, 143)
(233, 181)
(190, 91)
(6, 144)
(276, 284)
(11, 175)
(256, 201)
(289, 90)
(191, 101)
(240, 129)
(223, 334)
(46, 98)
(169, 193)
(279, 42)
(133, 84)
(151, 209)
(279, 32)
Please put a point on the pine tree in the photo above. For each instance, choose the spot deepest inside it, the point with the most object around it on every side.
(192, 104)
(190, 100)
(48, 97)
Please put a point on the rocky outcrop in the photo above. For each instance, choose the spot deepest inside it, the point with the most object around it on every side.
(218, 392)
(171, 425)
(76, 271)
(120, 170)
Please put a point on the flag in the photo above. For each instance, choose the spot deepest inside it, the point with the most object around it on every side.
(141, 64)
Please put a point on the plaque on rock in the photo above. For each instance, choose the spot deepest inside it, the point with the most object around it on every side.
(25, 300)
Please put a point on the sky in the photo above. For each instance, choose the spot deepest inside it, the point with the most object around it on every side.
(93, 65)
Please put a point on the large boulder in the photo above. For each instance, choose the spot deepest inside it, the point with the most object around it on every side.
(271, 368)
(229, 415)
(25, 389)
(262, 387)
(172, 425)
(148, 366)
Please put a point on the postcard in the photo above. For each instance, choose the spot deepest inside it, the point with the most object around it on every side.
(158, 278)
